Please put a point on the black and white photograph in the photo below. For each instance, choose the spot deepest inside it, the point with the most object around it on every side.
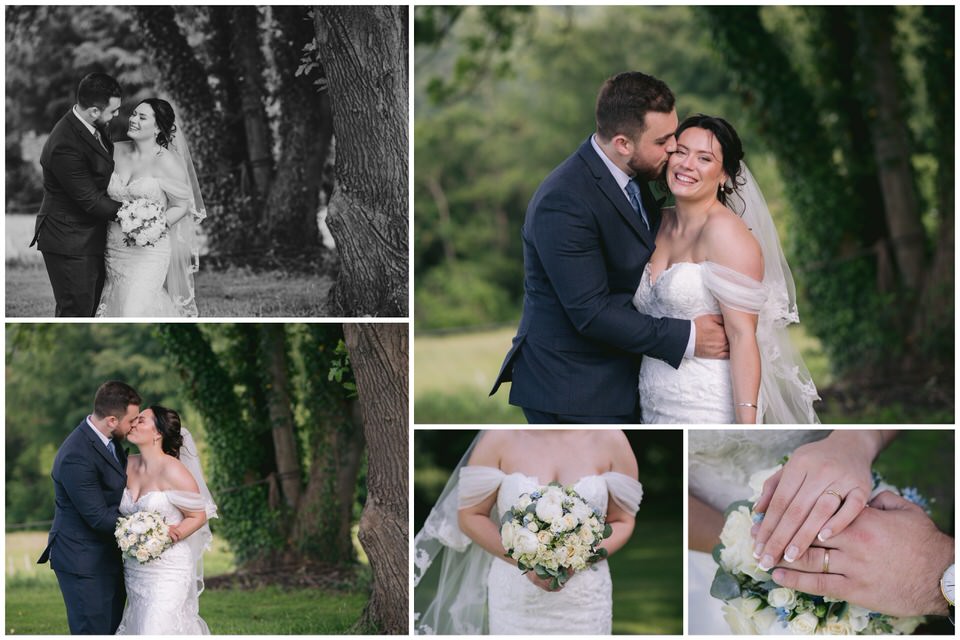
(206, 161)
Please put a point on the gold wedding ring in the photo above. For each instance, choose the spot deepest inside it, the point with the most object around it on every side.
(826, 561)
(833, 492)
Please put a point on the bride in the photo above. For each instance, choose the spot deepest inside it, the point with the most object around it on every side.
(471, 586)
(709, 260)
(157, 280)
(163, 594)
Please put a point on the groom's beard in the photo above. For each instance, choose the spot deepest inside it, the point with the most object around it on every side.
(646, 172)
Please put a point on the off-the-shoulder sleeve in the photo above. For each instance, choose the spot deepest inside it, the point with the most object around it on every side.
(176, 189)
(624, 490)
(189, 501)
(734, 289)
(476, 483)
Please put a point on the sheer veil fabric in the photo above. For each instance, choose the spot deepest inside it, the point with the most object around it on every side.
(185, 240)
(200, 541)
(787, 391)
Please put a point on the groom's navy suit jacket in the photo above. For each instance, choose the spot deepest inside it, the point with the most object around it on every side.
(580, 341)
(75, 210)
(88, 485)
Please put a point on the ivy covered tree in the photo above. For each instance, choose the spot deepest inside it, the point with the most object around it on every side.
(870, 250)
(284, 443)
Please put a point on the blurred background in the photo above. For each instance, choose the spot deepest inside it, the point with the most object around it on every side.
(253, 89)
(847, 118)
(648, 571)
(286, 558)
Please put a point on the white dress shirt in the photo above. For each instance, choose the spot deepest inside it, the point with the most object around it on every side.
(104, 439)
(89, 126)
(622, 179)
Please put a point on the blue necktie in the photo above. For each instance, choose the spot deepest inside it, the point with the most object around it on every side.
(633, 189)
(113, 450)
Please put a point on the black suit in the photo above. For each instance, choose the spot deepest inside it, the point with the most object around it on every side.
(577, 351)
(88, 485)
(71, 228)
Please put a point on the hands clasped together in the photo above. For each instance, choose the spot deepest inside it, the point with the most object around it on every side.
(826, 536)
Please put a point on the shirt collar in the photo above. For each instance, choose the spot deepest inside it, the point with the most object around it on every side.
(104, 439)
(618, 174)
(89, 126)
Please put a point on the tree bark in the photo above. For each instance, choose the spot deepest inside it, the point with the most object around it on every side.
(891, 143)
(379, 354)
(274, 345)
(364, 53)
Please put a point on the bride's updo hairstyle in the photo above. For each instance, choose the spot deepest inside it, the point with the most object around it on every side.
(168, 426)
(165, 119)
(732, 149)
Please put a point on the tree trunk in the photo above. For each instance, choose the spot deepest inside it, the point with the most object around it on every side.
(891, 142)
(249, 64)
(274, 345)
(379, 354)
(305, 131)
(364, 53)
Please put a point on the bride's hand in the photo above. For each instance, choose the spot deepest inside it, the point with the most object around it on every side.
(546, 583)
(174, 533)
(817, 493)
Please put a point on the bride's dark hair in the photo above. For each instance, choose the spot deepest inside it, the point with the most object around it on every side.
(168, 426)
(730, 145)
(165, 119)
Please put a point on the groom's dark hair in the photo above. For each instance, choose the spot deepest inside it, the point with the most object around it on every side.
(625, 99)
(96, 89)
(113, 398)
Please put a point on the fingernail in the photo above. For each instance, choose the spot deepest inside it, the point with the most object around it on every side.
(791, 553)
(823, 535)
(767, 562)
(757, 550)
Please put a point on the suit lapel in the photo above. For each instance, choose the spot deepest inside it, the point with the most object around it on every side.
(612, 191)
(100, 448)
(87, 137)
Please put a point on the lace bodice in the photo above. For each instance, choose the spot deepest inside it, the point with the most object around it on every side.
(145, 187)
(158, 501)
(721, 462)
(678, 292)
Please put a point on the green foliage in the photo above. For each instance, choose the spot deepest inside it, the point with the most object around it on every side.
(341, 371)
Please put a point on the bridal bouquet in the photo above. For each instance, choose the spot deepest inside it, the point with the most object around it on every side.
(553, 532)
(142, 536)
(143, 222)
(755, 604)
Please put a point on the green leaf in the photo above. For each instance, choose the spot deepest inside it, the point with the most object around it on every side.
(607, 531)
(725, 586)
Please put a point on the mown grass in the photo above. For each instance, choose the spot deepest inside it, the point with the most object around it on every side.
(231, 293)
(34, 605)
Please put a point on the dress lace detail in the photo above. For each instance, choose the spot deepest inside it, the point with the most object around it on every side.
(700, 391)
(162, 595)
(134, 285)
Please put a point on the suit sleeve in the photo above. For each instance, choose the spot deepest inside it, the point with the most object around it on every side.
(568, 244)
(73, 174)
(80, 481)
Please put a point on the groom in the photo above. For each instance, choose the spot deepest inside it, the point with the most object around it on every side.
(588, 234)
(89, 476)
(71, 229)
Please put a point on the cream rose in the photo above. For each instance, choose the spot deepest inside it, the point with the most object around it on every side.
(739, 614)
(804, 624)
(549, 508)
(508, 533)
(781, 597)
(737, 554)
(525, 542)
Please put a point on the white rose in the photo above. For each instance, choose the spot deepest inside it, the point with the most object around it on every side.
(858, 618)
(525, 541)
(586, 536)
(906, 625)
(142, 555)
(544, 537)
(523, 502)
(549, 508)
(757, 480)
(837, 628)
(532, 526)
(781, 597)
(581, 511)
(804, 624)
(767, 623)
(139, 526)
(507, 534)
(737, 554)
(569, 522)
(739, 614)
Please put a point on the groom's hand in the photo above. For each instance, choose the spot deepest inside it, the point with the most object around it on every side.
(888, 560)
(711, 338)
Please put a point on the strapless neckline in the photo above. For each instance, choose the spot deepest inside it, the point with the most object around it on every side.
(537, 479)
(648, 272)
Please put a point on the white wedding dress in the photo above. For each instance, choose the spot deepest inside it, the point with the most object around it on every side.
(700, 391)
(720, 465)
(135, 279)
(490, 595)
(163, 595)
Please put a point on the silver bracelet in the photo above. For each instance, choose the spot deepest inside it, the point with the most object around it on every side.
(747, 404)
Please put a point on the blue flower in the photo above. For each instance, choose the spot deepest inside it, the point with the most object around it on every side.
(782, 614)
(757, 517)
(913, 495)
(536, 495)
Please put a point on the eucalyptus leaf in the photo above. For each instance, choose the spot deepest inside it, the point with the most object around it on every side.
(725, 586)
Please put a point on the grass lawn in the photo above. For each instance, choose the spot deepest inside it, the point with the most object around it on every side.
(234, 292)
(34, 605)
